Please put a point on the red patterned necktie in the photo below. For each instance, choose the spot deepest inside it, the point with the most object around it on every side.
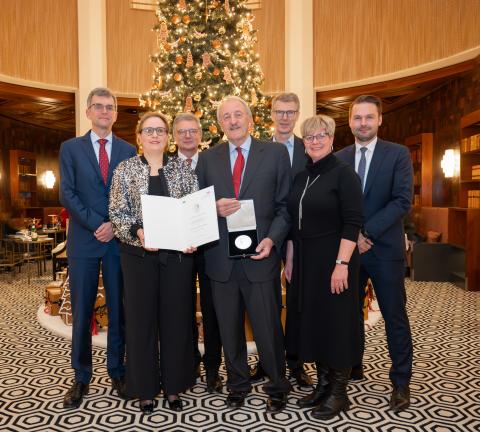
(189, 161)
(237, 171)
(103, 159)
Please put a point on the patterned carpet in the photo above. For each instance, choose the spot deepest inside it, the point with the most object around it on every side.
(35, 373)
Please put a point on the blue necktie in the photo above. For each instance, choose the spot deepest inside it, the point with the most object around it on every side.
(362, 165)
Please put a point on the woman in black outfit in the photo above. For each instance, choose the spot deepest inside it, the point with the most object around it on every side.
(157, 283)
(322, 265)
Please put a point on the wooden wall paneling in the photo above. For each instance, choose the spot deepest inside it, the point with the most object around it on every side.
(270, 23)
(473, 250)
(360, 39)
(39, 41)
(130, 42)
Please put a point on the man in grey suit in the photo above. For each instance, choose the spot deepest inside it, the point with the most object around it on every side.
(285, 112)
(240, 169)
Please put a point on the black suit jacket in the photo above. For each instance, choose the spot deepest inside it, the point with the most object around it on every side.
(387, 197)
(267, 181)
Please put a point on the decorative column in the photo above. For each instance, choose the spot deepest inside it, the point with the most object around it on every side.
(92, 56)
(299, 54)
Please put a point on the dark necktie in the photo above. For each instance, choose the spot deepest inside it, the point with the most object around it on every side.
(237, 171)
(103, 159)
(362, 165)
(189, 161)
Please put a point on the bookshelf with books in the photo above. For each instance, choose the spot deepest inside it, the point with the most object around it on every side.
(421, 152)
(23, 179)
(470, 160)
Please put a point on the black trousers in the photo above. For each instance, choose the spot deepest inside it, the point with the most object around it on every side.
(260, 299)
(212, 357)
(158, 330)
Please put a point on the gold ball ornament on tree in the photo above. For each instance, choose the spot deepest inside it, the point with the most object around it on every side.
(182, 5)
(167, 47)
(257, 120)
(213, 129)
(186, 19)
(197, 97)
(216, 43)
(177, 76)
(175, 19)
(198, 76)
(221, 30)
(216, 72)
(198, 114)
(179, 59)
(182, 39)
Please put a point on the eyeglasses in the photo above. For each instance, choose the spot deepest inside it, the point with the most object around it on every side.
(183, 132)
(101, 107)
(161, 131)
(319, 137)
(290, 113)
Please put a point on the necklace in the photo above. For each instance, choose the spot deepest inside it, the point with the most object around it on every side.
(300, 207)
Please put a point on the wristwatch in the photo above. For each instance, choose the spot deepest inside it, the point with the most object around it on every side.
(341, 262)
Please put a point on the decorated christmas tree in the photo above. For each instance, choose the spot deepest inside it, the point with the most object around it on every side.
(206, 52)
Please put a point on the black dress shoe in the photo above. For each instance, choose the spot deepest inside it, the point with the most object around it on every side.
(276, 402)
(118, 384)
(147, 406)
(303, 380)
(174, 404)
(214, 383)
(357, 373)
(75, 394)
(400, 398)
(257, 373)
(236, 399)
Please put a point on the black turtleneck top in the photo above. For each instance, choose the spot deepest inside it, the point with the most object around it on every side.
(331, 203)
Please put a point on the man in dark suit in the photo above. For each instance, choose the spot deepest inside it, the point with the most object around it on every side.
(285, 111)
(245, 168)
(385, 170)
(86, 165)
(187, 133)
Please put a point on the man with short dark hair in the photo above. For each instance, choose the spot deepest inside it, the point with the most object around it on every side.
(285, 112)
(245, 168)
(385, 170)
(86, 166)
(187, 134)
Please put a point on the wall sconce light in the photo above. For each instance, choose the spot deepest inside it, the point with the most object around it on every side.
(450, 163)
(49, 179)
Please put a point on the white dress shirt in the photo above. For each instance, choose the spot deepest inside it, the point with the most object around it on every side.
(194, 158)
(368, 156)
(96, 146)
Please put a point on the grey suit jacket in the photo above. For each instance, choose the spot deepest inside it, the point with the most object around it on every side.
(266, 180)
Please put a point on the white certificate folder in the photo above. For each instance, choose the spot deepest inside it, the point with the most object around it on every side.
(179, 223)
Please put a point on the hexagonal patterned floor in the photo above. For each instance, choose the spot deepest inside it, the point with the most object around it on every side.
(35, 373)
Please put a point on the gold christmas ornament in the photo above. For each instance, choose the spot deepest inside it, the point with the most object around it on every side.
(216, 72)
(177, 77)
(176, 19)
(182, 5)
(198, 76)
(206, 60)
(241, 52)
(186, 19)
(182, 39)
(198, 114)
(178, 59)
(216, 43)
(213, 129)
(167, 47)
(257, 120)
(227, 7)
(221, 30)
(227, 75)
(163, 33)
(188, 104)
(197, 97)
(189, 59)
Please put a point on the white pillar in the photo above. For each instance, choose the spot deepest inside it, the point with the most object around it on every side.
(92, 56)
(299, 54)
